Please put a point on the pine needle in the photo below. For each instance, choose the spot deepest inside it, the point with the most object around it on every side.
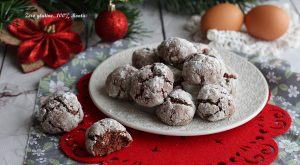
(12, 9)
(94, 7)
(199, 6)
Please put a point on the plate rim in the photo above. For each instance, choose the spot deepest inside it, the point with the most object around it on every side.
(178, 133)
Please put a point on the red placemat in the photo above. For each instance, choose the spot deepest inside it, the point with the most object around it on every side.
(251, 143)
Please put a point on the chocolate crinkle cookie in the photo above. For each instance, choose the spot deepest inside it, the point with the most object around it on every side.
(201, 69)
(177, 75)
(144, 56)
(214, 103)
(106, 136)
(118, 82)
(151, 84)
(60, 113)
(175, 50)
(192, 89)
(177, 110)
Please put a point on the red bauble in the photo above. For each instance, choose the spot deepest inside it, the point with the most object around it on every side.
(111, 25)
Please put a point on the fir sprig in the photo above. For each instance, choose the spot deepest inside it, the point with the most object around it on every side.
(82, 6)
(135, 26)
(199, 6)
(12, 9)
(97, 6)
(75, 6)
(92, 7)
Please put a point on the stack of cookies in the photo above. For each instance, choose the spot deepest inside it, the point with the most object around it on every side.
(177, 79)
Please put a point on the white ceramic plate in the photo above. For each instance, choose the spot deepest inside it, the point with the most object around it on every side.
(252, 95)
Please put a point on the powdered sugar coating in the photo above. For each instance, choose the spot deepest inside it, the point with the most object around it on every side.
(230, 81)
(177, 74)
(118, 82)
(193, 90)
(177, 110)
(100, 128)
(152, 84)
(201, 69)
(200, 47)
(144, 56)
(229, 84)
(205, 49)
(214, 103)
(175, 50)
(60, 113)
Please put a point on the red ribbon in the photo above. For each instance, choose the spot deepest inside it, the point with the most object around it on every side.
(50, 41)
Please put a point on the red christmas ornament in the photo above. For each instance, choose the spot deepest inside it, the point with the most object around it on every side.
(111, 25)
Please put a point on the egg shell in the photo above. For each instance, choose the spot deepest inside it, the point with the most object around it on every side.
(223, 16)
(267, 22)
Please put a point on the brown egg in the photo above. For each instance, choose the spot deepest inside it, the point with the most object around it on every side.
(267, 22)
(223, 16)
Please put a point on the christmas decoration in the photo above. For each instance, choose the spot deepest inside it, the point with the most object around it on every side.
(111, 25)
(50, 41)
(93, 7)
(12, 9)
(86, 9)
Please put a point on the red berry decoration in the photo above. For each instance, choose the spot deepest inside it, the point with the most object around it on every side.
(111, 25)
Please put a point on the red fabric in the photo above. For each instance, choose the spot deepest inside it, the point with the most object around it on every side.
(54, 48)
(251, 143)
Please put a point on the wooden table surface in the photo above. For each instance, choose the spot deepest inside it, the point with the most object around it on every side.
(18, 90)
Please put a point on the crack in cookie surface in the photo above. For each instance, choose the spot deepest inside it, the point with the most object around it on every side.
(118, 82)
(179, 101)
(60, 113)
(152, 84)
(201, 69)
(227, 112)
(54, 126)
(68, 109)
(209, 101)
(178, 108)
(214, 103)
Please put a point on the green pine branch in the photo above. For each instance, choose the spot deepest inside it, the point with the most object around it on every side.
(135, 26)
(75, 6)
(93, 7)
(199, 6)
(12, 9)
(82, 6)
